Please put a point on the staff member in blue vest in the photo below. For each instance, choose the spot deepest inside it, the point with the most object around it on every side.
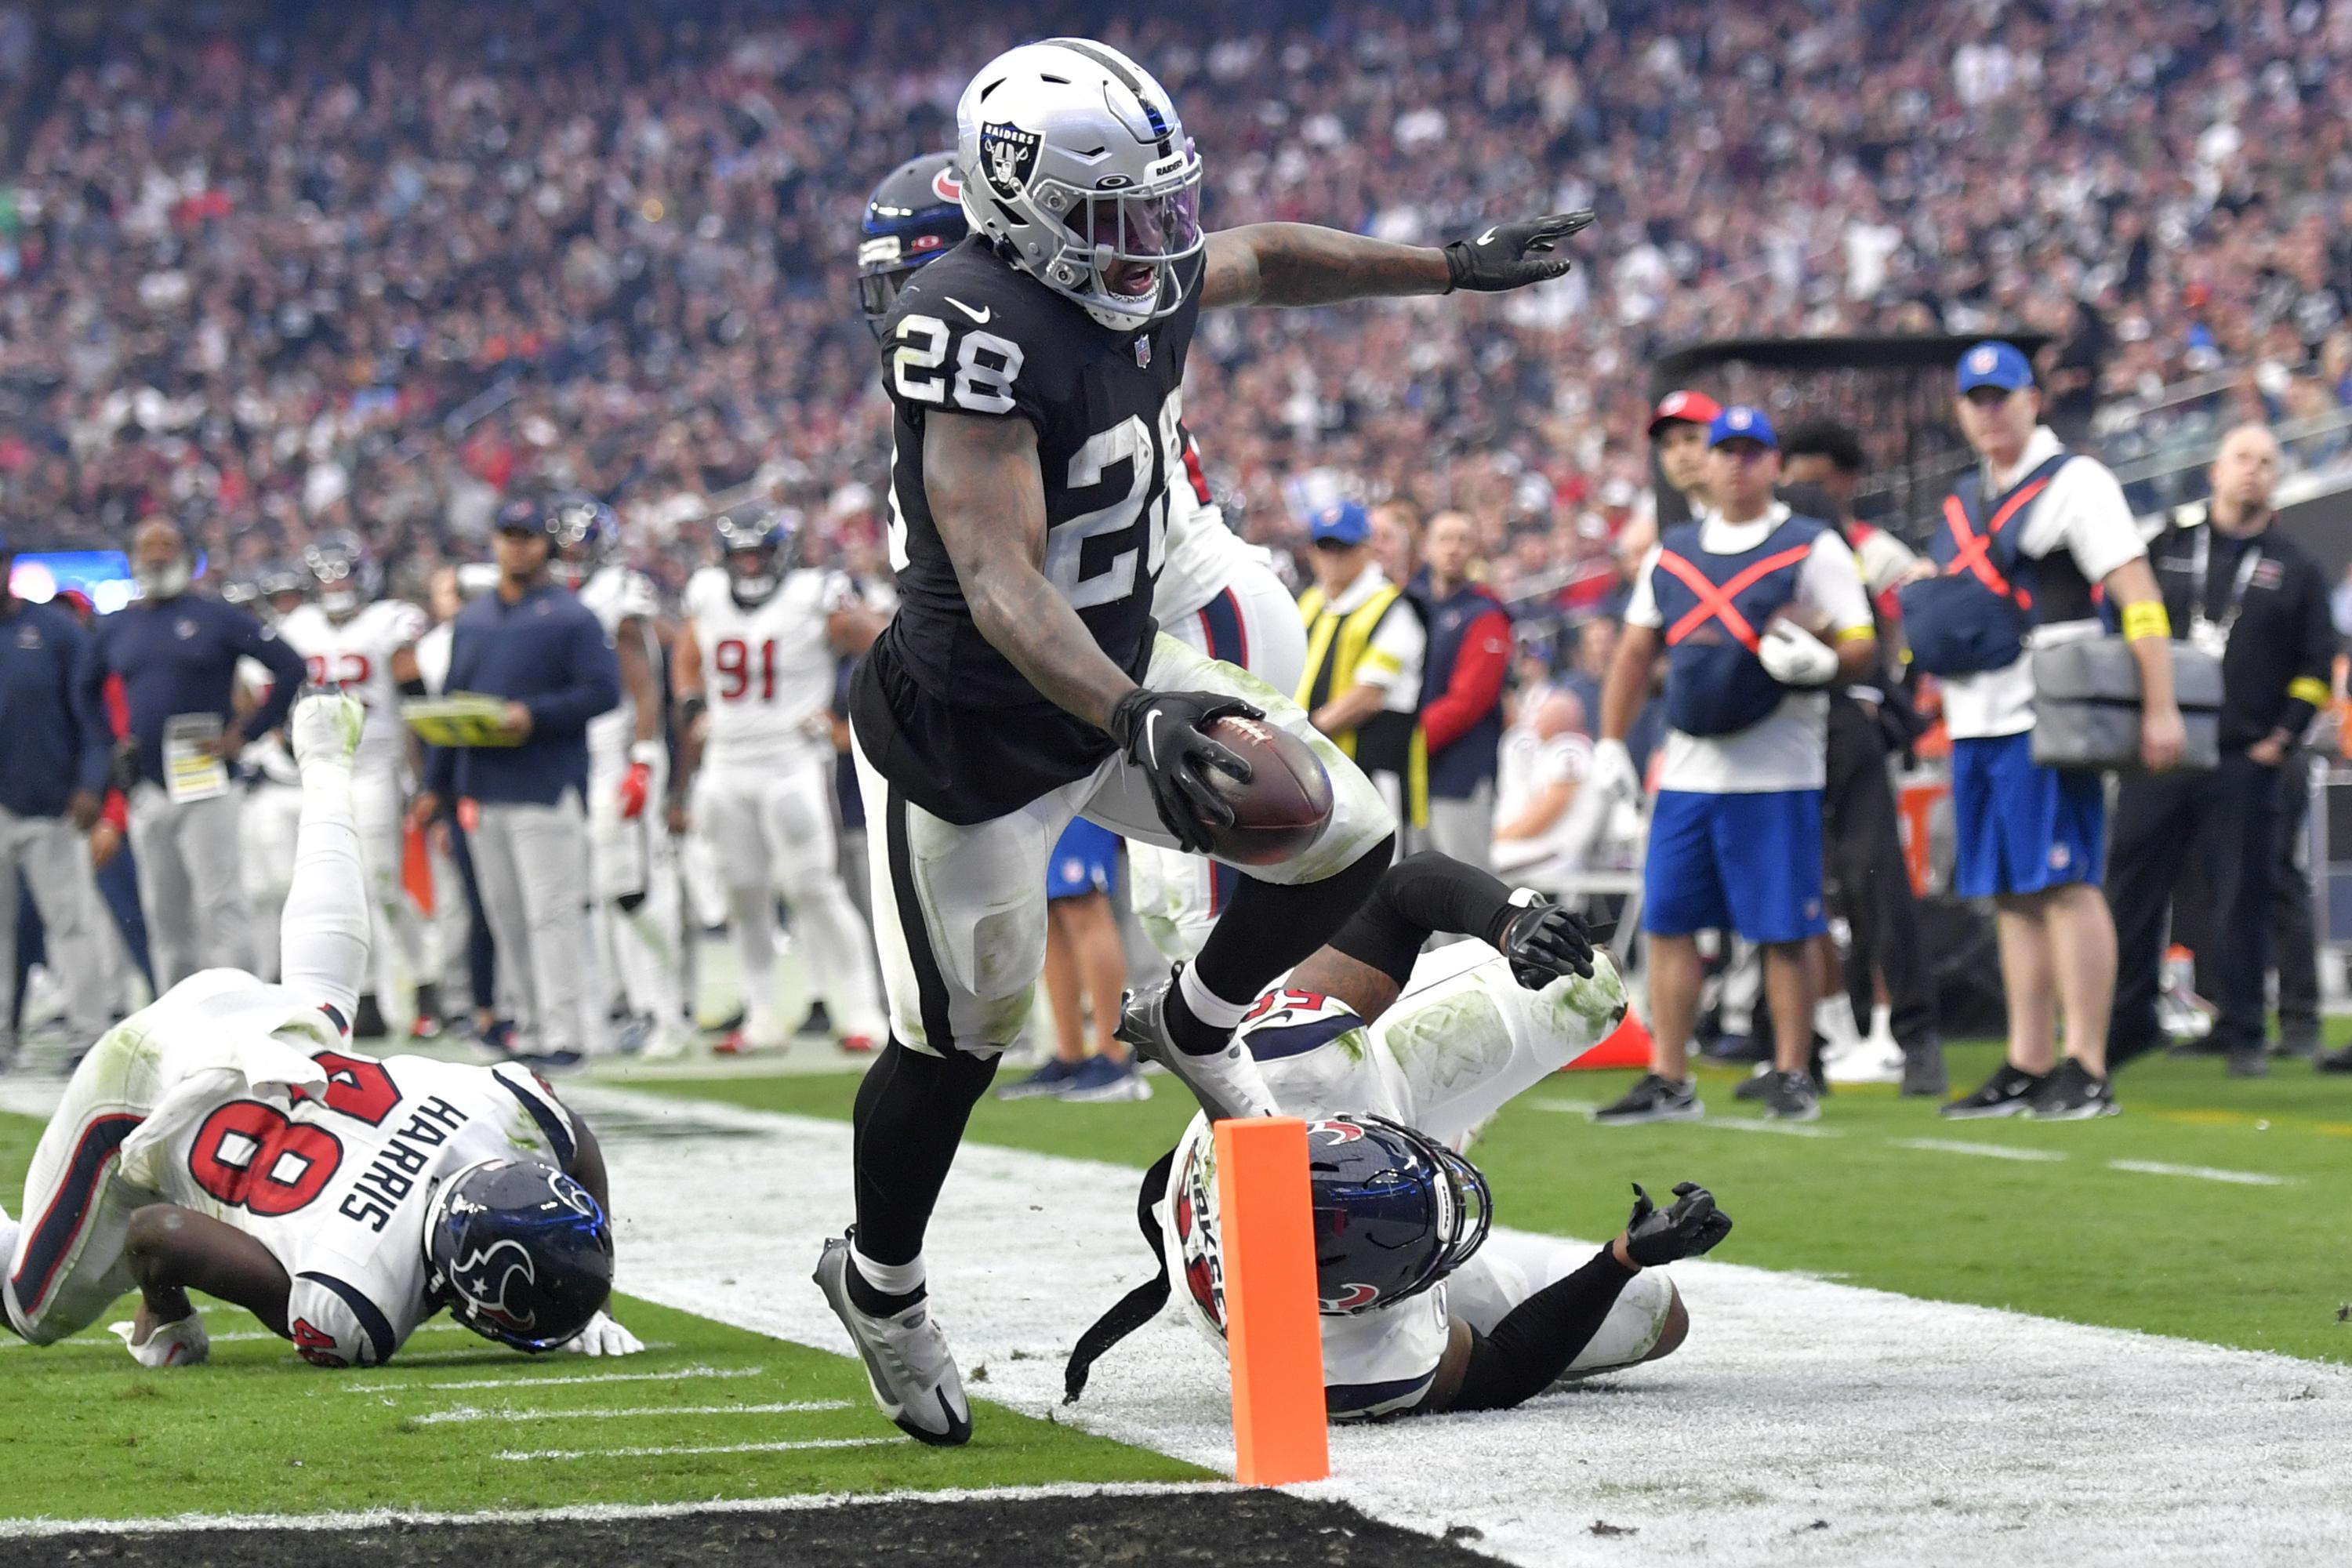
(533, 642)
(53, 767)
(1462, 676)
(1759, 611)
(176, 652)
(2022, 540)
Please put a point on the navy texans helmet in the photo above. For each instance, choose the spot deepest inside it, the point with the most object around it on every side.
(914, 216)
(519, 1252)
(757, 544)
(345, 571)
(1395, 1212)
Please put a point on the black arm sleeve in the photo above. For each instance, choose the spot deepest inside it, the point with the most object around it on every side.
(1418, 895)
(1540, 1337)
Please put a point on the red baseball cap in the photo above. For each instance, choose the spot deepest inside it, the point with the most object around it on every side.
(1691, 408)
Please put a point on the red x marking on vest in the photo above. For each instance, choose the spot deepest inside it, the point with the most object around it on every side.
(1976, 550)
(1715, 603)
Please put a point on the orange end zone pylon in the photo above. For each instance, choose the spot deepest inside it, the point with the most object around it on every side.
(1274, 1333)
(1628, 1047)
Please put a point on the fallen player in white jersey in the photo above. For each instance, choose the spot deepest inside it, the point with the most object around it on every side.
(227, 1140)
(1396, 1058)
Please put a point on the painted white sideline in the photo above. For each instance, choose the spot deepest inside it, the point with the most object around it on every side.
(466, 1413)
(659, 1451)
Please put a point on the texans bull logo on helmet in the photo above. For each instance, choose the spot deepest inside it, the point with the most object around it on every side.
(482, 1280)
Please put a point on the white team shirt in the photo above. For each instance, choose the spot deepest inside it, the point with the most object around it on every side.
(1392, 659)
(768, 670)
(615, 594)
(356, 654)
(1462, 1041)
(1789, 750)
(335, 1182)
(2083, 513)
(1526, 766)
(433, 653)
(1202, 555)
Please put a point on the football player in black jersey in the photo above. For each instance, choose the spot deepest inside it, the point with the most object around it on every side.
(1036, 372)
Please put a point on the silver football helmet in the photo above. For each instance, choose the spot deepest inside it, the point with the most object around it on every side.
(1075, 162)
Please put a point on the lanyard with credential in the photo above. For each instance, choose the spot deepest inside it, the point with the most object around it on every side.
(2204, 563)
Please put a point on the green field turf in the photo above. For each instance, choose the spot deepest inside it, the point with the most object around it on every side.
(94, 1435)
(2260, 1266)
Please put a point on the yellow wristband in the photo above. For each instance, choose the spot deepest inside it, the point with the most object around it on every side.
(2307, 689)
(2146, 619)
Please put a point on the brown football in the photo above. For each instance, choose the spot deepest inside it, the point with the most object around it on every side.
(1285, 804)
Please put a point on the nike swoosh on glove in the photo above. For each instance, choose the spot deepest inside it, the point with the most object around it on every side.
(1795, 656)
(1693, 1226)
(1159, 732)
(1511, 254)
(602, 1336)
(183, 1343)
(1544, 942)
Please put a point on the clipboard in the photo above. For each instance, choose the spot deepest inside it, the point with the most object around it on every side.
(459, 718)
(192, 770)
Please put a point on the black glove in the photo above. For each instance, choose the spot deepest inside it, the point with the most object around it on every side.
(1544, 942)
(1159, 731)
(1511, 254)
(1692, 1227)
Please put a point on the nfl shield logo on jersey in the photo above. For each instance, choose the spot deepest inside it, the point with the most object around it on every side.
(1007, 154)
(1143, 353)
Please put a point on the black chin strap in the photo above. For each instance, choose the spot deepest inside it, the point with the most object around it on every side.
(1138, 1306)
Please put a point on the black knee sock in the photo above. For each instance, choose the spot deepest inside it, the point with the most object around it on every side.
(1266, 929)
(910, 1115)
(1418, 896)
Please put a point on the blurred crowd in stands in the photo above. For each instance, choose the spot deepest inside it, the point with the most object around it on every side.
(275, 268)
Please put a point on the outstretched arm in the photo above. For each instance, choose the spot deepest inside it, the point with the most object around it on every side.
(1304, 264)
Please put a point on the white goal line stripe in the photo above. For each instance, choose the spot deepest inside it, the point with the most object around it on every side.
(673, 1448)
(786, 1408)
(377, 1519)
(1989, 1151)
(2202, 1172)
(527, 1381)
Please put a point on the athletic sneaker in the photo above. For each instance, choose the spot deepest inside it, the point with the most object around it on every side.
(2073, 1093)
(1923, 1070)
(908, 1363)
(554, 1064)
(1048, 1082)
(1099, 1078)
(1655, 1099)
(1226, 1082)
(2005, 1093)
(1791, 1097)
(325, 724)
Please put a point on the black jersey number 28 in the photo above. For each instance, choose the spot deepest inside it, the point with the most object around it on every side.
(986, 366)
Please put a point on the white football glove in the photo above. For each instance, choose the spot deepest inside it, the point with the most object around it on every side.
(602, 1336)
(1613, 774)
(184, 1344)
(1795, 656)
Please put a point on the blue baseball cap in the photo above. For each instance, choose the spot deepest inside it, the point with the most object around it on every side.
(1993, 363)
(1343, 522)
(1741, 422)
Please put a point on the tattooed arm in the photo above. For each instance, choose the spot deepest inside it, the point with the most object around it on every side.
(1301, 264)
(988, 502)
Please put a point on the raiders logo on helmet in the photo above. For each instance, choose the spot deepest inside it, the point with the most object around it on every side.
(1007, 154)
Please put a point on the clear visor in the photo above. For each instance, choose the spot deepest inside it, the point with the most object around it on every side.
(1135, 235)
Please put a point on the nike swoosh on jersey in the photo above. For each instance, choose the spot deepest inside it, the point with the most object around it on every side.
(1150, 740)
(980, 316)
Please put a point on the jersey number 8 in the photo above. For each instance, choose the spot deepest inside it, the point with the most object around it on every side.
(253, 1156)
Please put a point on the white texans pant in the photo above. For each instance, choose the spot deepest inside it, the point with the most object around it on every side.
(52, 859)
(191, 883)
(1255, 623)
(960, 909)
(531, 864)
(635, 869)
(773, 835)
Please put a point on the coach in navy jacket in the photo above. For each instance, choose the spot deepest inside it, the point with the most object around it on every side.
(534, 644)
(177, 654)
(53, 761)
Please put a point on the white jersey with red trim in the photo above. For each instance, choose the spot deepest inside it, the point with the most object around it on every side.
(1202, 552)
(615, 594)
(1461, 1041)
(767, 668)
(356, 654)
(336, 1180)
